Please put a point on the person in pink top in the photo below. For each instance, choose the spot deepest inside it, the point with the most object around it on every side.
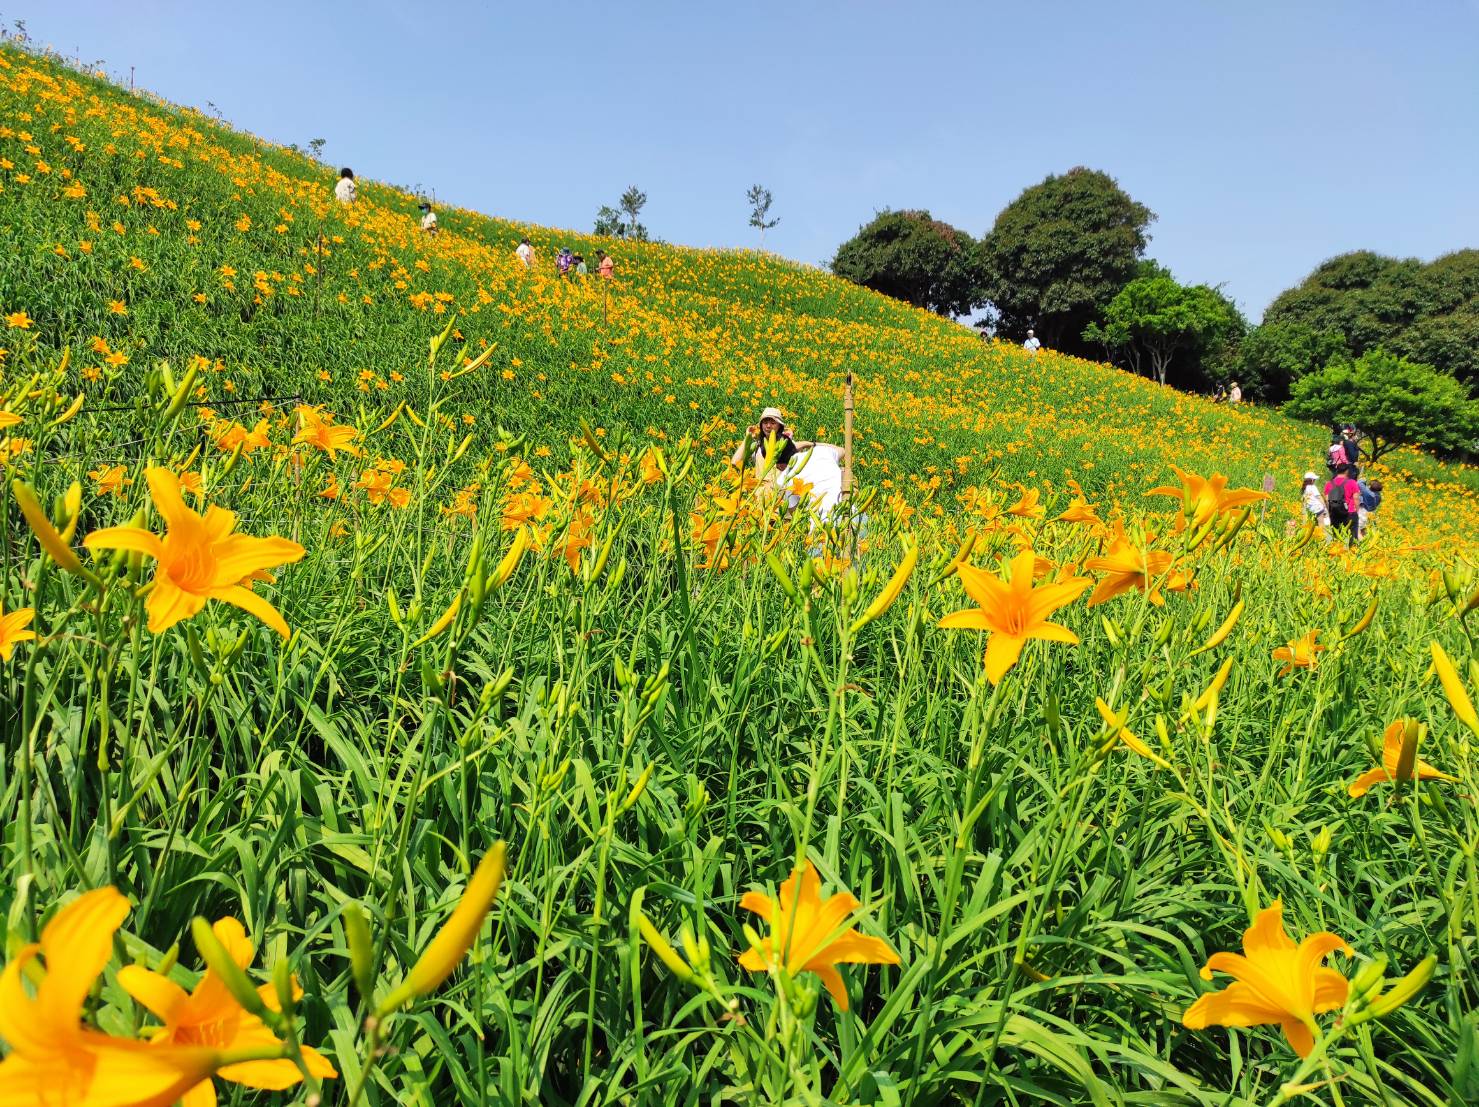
(1343, 501)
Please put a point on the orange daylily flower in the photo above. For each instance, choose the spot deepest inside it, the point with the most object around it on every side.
(1300, 653)
(1391, 755)
(1274, 981)
(1027, 506)
(1205, 498)
(198, 559)
(110, 479)
(209, 1016)
(523, 508)
(318, 430)
(1013, 610)
(809, 935)
(55, 1059)
(1130, 566)
(13, 629)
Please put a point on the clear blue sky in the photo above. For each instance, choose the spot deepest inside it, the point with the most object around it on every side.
(1267, 135)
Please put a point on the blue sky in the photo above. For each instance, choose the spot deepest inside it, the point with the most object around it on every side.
(1267, 135)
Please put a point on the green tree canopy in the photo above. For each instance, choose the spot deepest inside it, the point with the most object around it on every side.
(1059, 253)
(1394, 401)
(1275, 355)
(1366, 301)
(913, 257)
(1153, 319)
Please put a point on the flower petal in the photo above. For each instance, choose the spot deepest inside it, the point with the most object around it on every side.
(252, 604)
(77, 943)
(1002, 652)
(157, 993)
(132, 539)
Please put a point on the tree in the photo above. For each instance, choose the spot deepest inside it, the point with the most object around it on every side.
(760, 200)
(1059, 253)
(316, 148)
(623, 223)
(1153, 318)
(1275, 355)
(632, 202)
(915, 258)
(1394, 401)
(608, 222)
(1366, 301)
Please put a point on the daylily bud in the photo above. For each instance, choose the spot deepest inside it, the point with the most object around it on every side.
(1412, 734)
(637, 789)
(46, 534)
(783, 578)
(1406, 988)
(1366, 982)
(361, 949)
(660, 945)
(891, 590)
(1221, 633)
(455, 937)
(1453, 688)
(214, 954)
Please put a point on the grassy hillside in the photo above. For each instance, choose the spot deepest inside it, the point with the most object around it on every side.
(514, 745)
(138, 231)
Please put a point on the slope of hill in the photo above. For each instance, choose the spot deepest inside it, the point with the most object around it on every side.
(139, 232)
(524, 739)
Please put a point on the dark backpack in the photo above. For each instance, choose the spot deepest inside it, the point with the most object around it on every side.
(1335, 501)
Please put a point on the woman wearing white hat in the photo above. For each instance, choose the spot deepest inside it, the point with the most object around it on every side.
(770, 461)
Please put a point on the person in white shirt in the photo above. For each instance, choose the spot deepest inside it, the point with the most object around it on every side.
(428, 219)
(345, 190)
(525, 253)
(1314, 501)
(1032, 345)
(1234, 394)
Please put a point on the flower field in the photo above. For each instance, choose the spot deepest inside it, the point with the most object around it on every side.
(404, 701)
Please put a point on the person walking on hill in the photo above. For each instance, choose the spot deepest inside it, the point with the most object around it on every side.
(1370, 501)
(605, 264)
(525, 253)
(1351, 443)
(1314, 501)
(1032, 345)
(1335, 455)
(428, 219)
(345, 190)
(1343, 501)
(580, 267)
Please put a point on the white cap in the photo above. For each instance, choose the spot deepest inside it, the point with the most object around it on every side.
(1310, 476)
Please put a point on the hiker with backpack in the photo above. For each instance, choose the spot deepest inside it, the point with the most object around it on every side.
(1343, 501)
(1335, 455)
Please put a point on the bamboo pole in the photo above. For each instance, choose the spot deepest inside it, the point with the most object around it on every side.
(847, 410)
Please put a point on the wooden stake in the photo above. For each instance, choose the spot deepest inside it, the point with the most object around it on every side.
(847, 409)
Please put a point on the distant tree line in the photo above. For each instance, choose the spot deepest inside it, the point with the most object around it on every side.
(1390, 344)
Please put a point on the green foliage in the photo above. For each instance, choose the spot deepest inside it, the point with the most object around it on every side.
(760, 200)
(915, 258)
(1059, 253)
(1274, 355)
(1429, 313)
(1394, 401)
(624, 223)
(1153, 318)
